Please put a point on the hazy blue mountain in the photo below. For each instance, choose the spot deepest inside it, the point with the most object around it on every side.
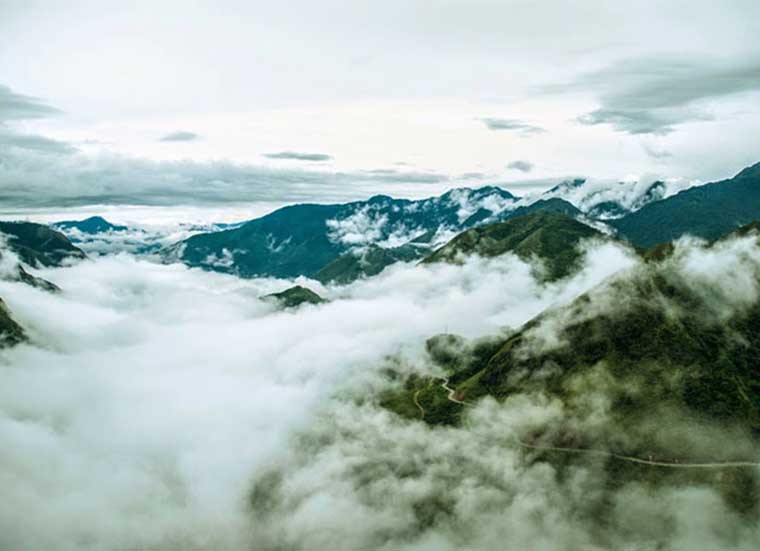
(302, 239)
(91, 225)
(38, 244)
(708, 211)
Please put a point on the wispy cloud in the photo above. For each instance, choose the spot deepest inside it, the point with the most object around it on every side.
(298, 156)
(656, 152)
(18, 107)
(34, 142)
(516, 125)
(15, 106)
(522, 166)
(33, 178)
(654, 95)
(180, 136)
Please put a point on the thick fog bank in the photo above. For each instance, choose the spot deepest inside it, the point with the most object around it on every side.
(161, 407)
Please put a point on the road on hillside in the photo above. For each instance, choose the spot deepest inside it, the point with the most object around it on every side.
(451, 396)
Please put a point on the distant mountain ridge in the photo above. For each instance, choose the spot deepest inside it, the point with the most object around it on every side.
(303, 239)
(91, 225)
(708, 211)
(339, 243)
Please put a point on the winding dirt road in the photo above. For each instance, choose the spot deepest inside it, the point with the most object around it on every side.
(451, 396)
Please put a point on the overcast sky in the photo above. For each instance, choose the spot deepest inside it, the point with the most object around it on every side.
(192, 102)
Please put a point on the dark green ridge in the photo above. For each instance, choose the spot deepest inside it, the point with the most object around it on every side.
(38, 244)
(295, 296)
(550, 236)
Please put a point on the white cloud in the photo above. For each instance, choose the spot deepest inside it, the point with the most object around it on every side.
(165, 390)
(362, 227)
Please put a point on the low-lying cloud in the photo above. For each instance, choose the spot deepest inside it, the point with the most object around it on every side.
(16, 107)
(168, 392)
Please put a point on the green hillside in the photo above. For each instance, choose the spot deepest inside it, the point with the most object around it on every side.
(663, 341)
(551, 237)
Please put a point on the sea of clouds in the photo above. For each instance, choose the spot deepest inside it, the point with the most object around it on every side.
(162, 407)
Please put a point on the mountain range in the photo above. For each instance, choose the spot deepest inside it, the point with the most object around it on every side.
(343, 242)
(339, 243)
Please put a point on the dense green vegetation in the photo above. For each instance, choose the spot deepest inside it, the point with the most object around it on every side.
(37, 244)
(646, 365)
(549, 236)
(662, 343)
(295, 296)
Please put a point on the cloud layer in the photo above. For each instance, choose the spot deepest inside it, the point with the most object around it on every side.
(168, 390)
(200, 417)
(33, 179)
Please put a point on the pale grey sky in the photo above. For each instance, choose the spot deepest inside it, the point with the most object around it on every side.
(150, 102)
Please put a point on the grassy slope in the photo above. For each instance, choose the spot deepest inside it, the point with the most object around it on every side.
(549, 236)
